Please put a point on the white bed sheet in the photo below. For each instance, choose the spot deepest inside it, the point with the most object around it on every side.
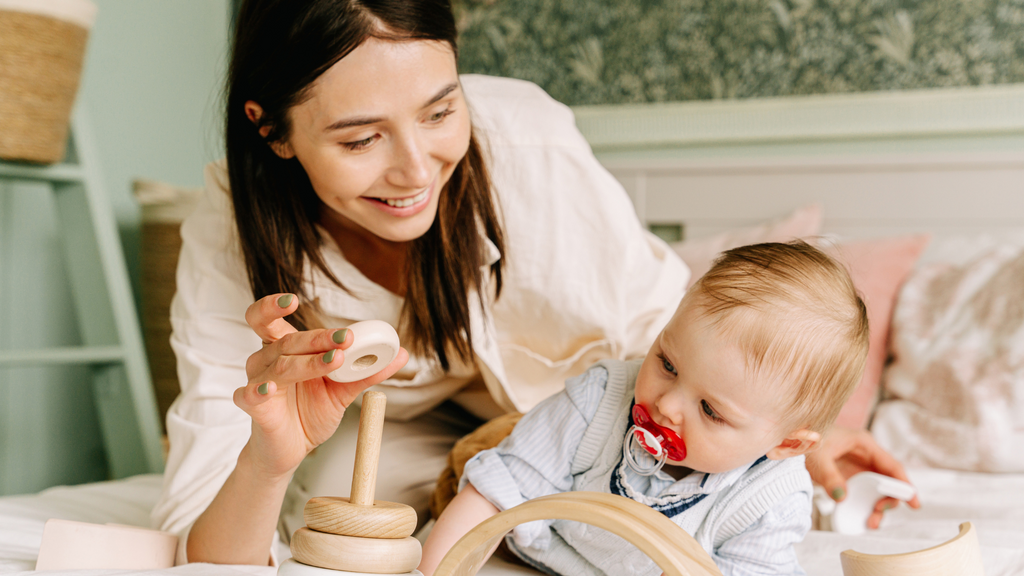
(994, 503)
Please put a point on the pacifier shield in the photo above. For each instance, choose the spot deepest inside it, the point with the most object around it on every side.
(655, 438)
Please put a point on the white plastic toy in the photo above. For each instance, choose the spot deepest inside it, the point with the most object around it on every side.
(863, 491)
(375, 346)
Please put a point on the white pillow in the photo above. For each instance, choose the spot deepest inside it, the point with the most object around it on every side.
(955, 389)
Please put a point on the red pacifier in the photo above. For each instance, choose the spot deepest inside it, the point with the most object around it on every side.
(657, 440)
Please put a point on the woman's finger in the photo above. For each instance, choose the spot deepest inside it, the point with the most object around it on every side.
(875, 519)
(298, 368)
(272, 361)
(884, 463)
(821, 465)
(266, 316)
(250, 396)
(312, 341)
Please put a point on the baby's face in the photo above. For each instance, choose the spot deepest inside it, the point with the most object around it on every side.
(698, 384)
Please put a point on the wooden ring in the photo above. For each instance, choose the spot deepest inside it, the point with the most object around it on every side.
(338, 515)
(671, 547)
(371, 555)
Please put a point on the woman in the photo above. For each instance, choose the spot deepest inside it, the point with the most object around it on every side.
(365, 179)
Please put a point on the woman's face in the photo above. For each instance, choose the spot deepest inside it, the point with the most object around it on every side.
(381, 134)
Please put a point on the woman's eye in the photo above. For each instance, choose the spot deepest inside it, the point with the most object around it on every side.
(709, 412)
(668, 366)
(360, 144)
(437, 117)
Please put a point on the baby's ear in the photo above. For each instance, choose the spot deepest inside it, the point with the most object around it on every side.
(794, 444)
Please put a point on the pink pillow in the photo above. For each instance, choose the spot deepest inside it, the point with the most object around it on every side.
(878, 268)
(701, 252)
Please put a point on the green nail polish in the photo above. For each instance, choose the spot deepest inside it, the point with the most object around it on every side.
(887, 507)
(264, 388)
(329, 357)
(339, 336)
(285, 301)
(838, 493)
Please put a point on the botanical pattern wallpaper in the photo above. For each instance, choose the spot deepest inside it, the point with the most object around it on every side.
(621, 51)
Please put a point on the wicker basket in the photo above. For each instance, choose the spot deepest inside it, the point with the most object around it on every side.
(163, 209)
(42, 45)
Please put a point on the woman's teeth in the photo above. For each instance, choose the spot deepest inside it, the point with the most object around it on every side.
(403, 202)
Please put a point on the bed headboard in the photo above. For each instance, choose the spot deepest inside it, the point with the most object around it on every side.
(947, 161)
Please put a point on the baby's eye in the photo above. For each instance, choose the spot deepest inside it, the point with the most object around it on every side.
(709, 412)
(668, 366)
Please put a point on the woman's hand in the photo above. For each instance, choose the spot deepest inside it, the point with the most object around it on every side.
(293, 404)
(847, 451)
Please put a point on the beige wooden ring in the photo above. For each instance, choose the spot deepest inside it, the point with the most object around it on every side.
(671, 547)
(338, 515)
(372, 555)
(292, 568)
(960, 556)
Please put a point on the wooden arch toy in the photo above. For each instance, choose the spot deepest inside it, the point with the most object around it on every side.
(960, 556)
(671, 548)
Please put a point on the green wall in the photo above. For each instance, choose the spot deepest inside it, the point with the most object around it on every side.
(150, 86)
(631, 51)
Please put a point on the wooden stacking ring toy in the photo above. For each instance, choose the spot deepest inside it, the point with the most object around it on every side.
(664, 542)
(960, 556)
(359, 534)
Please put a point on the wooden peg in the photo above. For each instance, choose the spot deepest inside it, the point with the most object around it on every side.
(371, 429)
(361, 515)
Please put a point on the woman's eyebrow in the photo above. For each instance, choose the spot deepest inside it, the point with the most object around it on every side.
(444, 92)
(364, 120)
(350, 122)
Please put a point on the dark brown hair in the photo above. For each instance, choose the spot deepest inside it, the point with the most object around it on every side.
(280, 48)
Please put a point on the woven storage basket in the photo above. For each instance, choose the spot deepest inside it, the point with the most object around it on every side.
(163, 209)
(42, 45)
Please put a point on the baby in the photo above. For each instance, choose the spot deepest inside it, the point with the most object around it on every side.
(709, 429)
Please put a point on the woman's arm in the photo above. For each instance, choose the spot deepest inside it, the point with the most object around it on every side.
(468, 509)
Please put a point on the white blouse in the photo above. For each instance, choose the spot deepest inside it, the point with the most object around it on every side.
(582, 281)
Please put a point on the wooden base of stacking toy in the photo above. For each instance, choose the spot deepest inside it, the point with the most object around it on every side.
(357, 535)
(355, 554)
(292, 568)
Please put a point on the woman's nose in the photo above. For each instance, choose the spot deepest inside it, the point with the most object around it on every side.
(411, 166)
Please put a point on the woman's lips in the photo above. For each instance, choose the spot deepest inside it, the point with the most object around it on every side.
(407, 206)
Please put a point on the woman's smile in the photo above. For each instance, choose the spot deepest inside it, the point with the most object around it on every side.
(405, 206)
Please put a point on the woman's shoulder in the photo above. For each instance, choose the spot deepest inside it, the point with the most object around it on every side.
(519, 113)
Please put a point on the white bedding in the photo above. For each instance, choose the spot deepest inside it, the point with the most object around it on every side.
(994, 503)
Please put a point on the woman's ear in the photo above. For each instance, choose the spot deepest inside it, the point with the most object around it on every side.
(254, 112)
(794, 444)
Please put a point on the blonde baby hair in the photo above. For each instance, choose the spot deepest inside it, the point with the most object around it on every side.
(797, 317)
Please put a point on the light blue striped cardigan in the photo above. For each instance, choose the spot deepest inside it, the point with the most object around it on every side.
(747, 519)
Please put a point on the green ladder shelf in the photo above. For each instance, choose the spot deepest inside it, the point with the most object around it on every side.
(111, 338)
